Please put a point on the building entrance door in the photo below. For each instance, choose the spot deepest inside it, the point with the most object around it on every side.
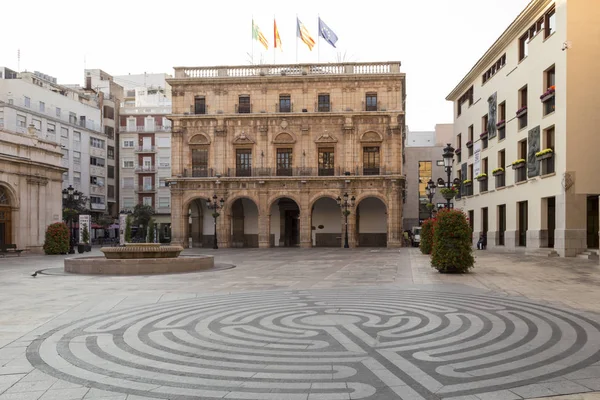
(592, 222)
(292, 231)
(5, 212)
(522, 232)
(551, 220)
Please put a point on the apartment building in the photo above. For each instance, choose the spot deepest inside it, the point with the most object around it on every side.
(145, 146)
(63, 115)
(526, 132)
(280, 144)
(423, 162)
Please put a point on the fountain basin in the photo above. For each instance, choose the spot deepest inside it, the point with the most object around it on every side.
(137, 266)
(141, 250)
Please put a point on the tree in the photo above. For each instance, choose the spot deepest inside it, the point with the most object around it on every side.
(128, 229)
(142, 214)
(426, 236)
(151, 231)
(85, 234)
(57, 239)
(452, 247)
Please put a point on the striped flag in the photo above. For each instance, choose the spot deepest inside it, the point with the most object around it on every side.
(276, 39)
(257, 35)
(303, 34)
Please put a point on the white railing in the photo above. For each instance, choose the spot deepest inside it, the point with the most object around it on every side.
(392, 67)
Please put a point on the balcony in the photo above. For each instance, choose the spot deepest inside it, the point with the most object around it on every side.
(144, 128)
(148, 169)
(145, 189)
(145, 149)
(204, 172)
(98, 206)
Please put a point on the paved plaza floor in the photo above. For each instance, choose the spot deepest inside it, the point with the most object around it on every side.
(303, 324)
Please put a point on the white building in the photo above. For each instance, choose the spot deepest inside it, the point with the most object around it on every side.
(66, 116)
(526, 132)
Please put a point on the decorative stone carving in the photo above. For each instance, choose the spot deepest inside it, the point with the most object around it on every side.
(371, 136)
(284, 124)
(326, 138)
(533, 143)
(491, 123)
(199, 138)
(284, 138)
(242, 139)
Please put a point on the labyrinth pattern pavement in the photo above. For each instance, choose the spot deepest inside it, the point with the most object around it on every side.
(330, 344)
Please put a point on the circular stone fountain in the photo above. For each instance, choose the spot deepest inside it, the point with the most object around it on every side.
(139, 259)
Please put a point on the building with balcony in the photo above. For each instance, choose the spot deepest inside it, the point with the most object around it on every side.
(65, 115)
(145, 146)
(526, 132)
(280, 143)
(422, 162)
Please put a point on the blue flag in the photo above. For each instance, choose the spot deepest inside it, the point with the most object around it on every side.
(327, 33)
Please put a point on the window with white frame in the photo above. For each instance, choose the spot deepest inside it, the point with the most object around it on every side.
(164, 202)
(65, 177)
(97, 180)
(57, 111)
(27, 102)
(76, 136)
(149, 124)
(76, 157)
(128, 202)
(21, 121)
(37, 124)
(97, 143)
(127, 183)
(97, 199)
(76, 178)
(51, 130)
(97, 161)
(64, 132)
(65, 153)
(162, 182)
(164, 142)
(128, 143)
(42, 106)
(164, 162)
(147, 201)
(131, 124)
(128, 163)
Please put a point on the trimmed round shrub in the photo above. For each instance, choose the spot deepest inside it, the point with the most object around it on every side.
(452, 249)
(426, 236)
(57, 239)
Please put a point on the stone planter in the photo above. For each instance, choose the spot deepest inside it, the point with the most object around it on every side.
(547, 97)
(498, 173)
(517, 166)
(500, 125)
(544, 156)
(483, 135)
(469, 144)
(483, 178)
(521, 113)
(141, 250)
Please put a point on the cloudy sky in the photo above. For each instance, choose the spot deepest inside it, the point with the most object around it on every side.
(437, 41)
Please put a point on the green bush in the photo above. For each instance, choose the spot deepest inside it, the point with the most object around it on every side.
(426, 236)
(452, 249)
(57, 239)
(151, 231)
(85, 234)
(128, 229)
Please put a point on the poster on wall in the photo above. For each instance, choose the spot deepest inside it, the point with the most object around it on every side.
(84, 221)
(122, 223)
(476, 159)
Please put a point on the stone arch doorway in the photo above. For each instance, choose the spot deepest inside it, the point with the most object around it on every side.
(5, 217)
(371, 222)
(326, 224)
(285, 223)
(244, 223)
(200, 226)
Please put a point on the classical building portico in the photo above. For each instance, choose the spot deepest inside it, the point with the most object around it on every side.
(280, 144)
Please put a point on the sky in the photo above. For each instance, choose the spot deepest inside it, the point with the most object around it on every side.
(437, 41)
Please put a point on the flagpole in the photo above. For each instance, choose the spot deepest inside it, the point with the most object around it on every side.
(274, 39)
(252, 40)
(318, 39)
(296, 38)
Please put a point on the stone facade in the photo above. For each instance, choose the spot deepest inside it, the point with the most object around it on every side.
(30, 188)
(279, 144)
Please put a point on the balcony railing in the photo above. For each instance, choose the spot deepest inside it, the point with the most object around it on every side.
(144, 128)
(145, 188)
(98, 206)
(145, 149)
(203, 172)
(146, 169)
(369, 68)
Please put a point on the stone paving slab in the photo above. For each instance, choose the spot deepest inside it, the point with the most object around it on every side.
(303, 324)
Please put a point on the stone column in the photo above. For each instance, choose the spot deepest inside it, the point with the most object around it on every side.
(224, 229)
(197, 227)
(178, 218)
(264, 230)
(570, 235)
(394, 216)
(352, 232)
(305, 221)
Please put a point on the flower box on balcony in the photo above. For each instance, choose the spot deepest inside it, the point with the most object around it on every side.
(498, 171)
(481, 177)
(520, 163)
(457, 151)
(500, 124)
(542, 155)
(467, 182)
(483, 135)
(470, 143)
(521, 111)
(547, 95)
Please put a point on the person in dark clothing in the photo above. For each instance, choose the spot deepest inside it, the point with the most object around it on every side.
(482, 243)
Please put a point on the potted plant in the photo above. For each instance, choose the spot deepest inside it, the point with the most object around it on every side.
(483, 135)
(430, 206)
(426, 236)
(518, 163)
(481, 177)
(521, 111)
(57, 239)
(128, 228)
(548, 94)
(448, 193)
(85, 236)
(80, 247)
(452, 249)
(501, 124)
(497, 171)
(546, 153)
(467, 182)
(470, 143)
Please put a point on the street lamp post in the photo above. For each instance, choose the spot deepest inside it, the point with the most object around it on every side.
(430, 190)
(215, 206)
(70, 195)
(448, 156)
(345, 205)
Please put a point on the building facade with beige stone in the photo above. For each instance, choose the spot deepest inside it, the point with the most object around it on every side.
(526, 129)
(279, 144)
